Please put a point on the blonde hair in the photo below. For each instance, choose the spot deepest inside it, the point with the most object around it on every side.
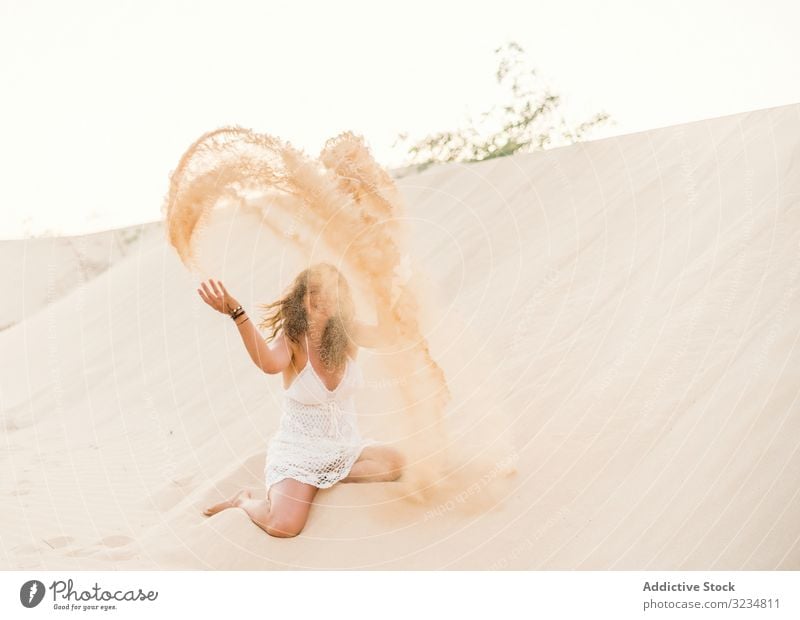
(288, 314)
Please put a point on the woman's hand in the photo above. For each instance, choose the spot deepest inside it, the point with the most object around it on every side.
(215, 295)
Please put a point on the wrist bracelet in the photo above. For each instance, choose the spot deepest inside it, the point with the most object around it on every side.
(243, 322)
(236, 312)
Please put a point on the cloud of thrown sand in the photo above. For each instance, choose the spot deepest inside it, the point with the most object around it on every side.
(346, 202)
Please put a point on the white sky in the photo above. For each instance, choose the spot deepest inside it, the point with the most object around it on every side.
(100, 99)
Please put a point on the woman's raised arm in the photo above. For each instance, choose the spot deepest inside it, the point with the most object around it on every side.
(271, 360)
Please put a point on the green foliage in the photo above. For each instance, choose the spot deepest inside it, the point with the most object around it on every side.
(130, 235)
(531, 120)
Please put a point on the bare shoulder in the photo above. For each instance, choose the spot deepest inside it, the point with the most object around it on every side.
(281, 354)
(287, 344)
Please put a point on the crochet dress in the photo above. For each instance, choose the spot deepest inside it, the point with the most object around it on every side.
(318, 438)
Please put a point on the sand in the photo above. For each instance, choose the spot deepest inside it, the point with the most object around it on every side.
(617, 322)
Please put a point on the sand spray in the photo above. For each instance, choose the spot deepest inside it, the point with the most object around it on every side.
(344, 208)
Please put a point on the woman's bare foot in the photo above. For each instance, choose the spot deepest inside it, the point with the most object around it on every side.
(228, 503)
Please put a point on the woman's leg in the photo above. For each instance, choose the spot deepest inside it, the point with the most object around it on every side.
(377, 463)
(283, 514)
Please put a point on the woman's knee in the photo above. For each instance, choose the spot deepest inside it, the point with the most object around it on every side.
(282, 527)
(290, 502)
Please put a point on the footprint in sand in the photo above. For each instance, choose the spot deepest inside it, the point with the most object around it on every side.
(113, 546)
(116, 541)
(80, 553)
(107, 548)
(59, 541)
(26, 549)
(182, 482)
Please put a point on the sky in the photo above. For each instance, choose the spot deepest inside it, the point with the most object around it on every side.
(102, 98)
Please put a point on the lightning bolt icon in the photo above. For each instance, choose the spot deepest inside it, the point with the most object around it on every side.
(32, 592)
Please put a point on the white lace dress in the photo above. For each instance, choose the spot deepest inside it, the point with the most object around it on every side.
(318, 438)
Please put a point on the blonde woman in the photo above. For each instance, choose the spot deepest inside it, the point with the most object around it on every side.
(318, 442)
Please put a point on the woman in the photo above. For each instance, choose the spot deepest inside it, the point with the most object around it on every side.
(318, 442)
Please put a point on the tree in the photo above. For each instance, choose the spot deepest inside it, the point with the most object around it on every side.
(530, 121)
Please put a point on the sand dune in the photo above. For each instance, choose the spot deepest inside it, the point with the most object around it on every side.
(41, 270)
(632, 300)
